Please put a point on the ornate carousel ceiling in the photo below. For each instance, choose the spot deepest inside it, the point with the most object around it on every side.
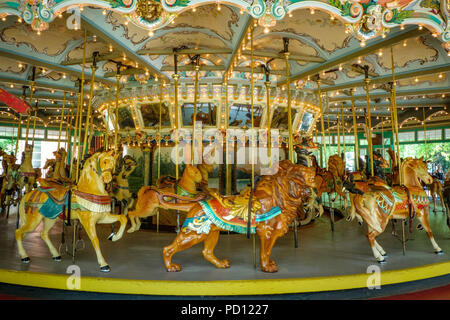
(143, 43)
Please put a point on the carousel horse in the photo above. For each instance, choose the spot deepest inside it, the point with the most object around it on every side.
(435, 187)
(383, 203)
(331, 180)
(89, 203)
(436, 191)
(48, 168)
(446, 199)
(57, 169)
(27, 174)
(120, 189)
(267, 211)
(150, 198)
(9, 185)
(357, 182)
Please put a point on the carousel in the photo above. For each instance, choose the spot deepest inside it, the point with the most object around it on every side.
(227, 149)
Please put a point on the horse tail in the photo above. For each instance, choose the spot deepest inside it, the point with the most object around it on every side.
(365, 207)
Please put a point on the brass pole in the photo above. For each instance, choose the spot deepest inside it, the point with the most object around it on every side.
(322, 121)
(228, 165)
(108, 119)
(18, 135)
(68, 131)
(338, 134)
(116, 120)
(394, 112)
(269, 122)
(425, 132)
(369, 125)
(75, 133)
(329, 131)
(343, 129)
(355, 131)
(253, 126)
(288, 89)
(61, 120)
(77, 168)
(175, 77)
(194, 116)
(159, 144)
(87, 127)
(29, 114)
(34, 124)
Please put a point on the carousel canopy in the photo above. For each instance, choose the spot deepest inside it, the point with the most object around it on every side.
(346, 51)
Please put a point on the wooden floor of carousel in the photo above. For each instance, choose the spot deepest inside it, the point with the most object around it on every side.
(325, 265)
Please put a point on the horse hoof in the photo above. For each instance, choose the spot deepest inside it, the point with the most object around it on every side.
(439, 252)
(57, 259)
(382, 261)
(111, 236)
(26, 260)
(105, 269)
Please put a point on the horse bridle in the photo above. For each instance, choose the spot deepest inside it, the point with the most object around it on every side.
(99, 170)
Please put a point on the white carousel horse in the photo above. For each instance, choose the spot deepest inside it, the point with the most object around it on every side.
(90, 204)
(27, 174)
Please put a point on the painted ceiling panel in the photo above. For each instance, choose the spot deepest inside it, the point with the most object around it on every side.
(220, 23)
(51, 42)
(131, 32)
(10, 65)
(407, 52)
(328, 34)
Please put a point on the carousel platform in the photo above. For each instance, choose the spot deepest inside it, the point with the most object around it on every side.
(325, 265)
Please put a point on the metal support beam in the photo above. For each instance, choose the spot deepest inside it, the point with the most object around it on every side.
(292, 57)
(388, 77)
(169, 52)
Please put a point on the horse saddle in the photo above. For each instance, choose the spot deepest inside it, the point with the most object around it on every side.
(393, 199)
(377, 181)
(56, 192)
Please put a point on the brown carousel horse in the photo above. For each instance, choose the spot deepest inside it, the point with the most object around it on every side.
(269, 212)
(331, 180)
(57, 169)
(9, 185)
(90, 204)
(383, 203)
(150, 198)
(446, 198)
(357, 182)
(436, 191)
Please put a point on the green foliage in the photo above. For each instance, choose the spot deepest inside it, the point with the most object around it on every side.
(8, 145)
(437, 153)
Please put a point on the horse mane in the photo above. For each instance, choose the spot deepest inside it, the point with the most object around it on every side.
(287, 187)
